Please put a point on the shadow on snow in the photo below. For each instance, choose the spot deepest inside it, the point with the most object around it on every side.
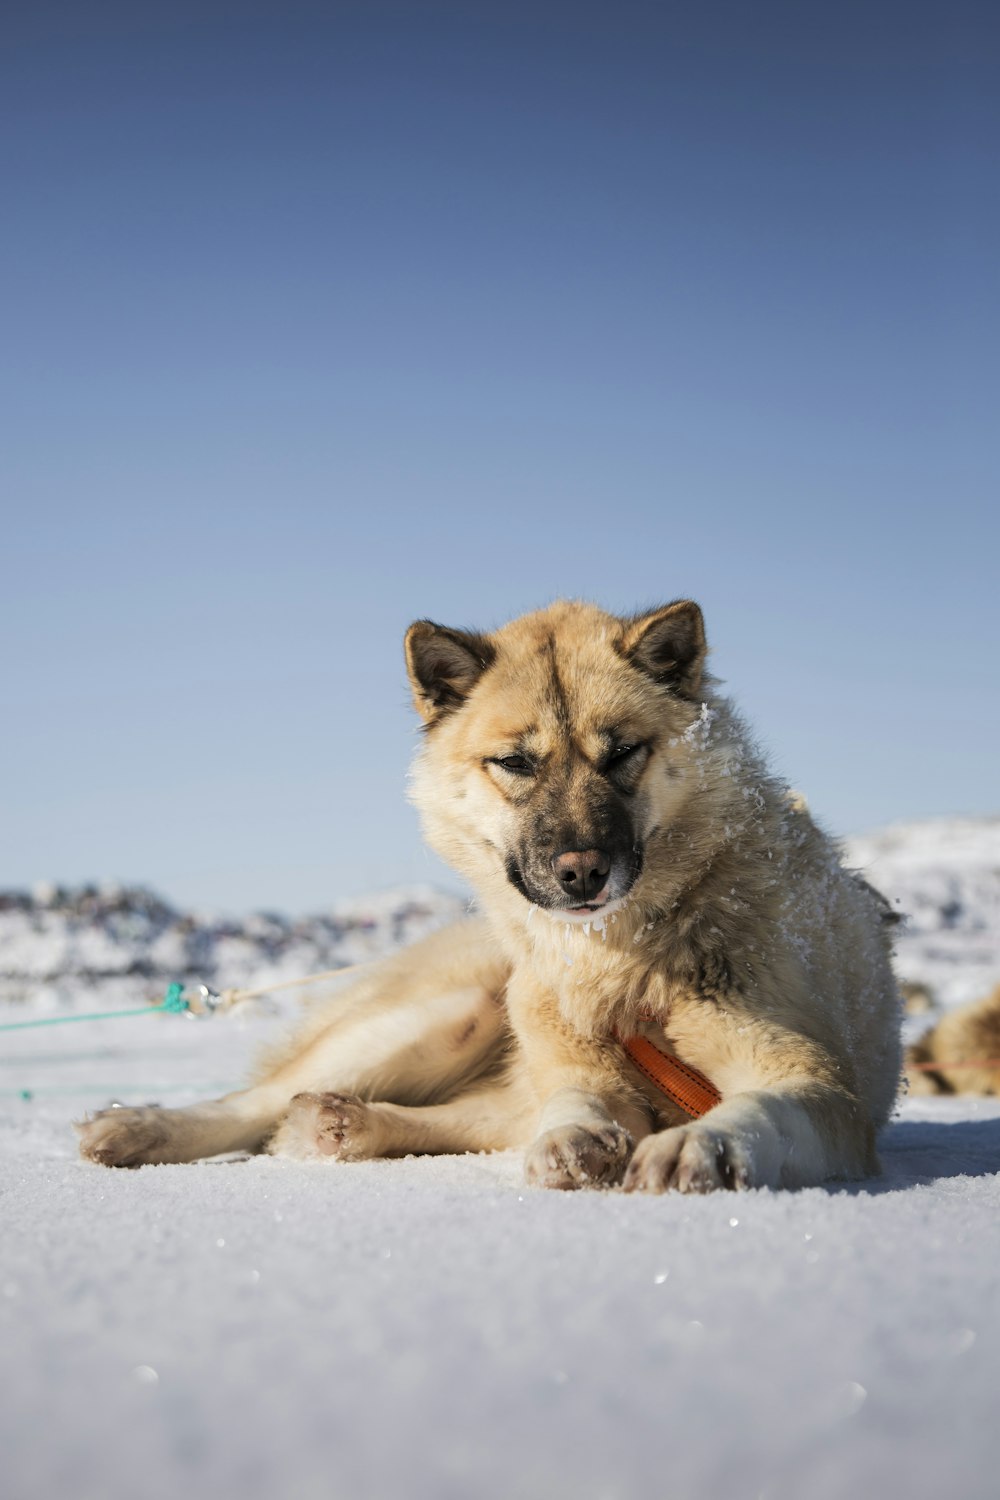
(916, 1152)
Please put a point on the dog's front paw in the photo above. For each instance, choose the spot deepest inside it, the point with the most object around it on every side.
(123, 1137)
(692, 1159)
(327, 1125)
(575, 1157)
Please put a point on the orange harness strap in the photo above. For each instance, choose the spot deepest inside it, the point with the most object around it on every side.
(681, 1083)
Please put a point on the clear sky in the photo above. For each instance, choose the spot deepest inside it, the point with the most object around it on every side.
(322, 317)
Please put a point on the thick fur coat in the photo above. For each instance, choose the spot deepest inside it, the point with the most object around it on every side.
(638, 869)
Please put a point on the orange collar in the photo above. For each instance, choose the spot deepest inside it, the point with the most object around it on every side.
(695, 1094)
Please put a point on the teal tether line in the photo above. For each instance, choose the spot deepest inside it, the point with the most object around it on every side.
(112, 1090)
(172, 1001)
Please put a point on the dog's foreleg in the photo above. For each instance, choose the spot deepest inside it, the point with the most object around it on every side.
(796, 1136)
(787, 1118)
(589, 1116)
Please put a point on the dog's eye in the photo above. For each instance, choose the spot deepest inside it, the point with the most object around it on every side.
(624, 765)
(518, 765)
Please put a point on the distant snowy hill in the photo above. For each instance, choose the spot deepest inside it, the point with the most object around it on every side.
(57, 947)
(944, 876)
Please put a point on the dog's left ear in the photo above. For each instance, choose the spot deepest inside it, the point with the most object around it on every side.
(669, 646)
(444, 666)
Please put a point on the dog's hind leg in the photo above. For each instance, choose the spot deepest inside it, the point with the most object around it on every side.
(328, 1126)
(131, 1136)
(414, 1028)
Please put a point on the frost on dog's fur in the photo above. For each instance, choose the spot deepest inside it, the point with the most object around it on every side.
(637, 866)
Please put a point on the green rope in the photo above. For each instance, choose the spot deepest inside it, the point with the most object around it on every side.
(173, 1001)
(113, 1090)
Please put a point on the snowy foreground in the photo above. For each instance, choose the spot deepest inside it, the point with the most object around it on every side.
(431, 1328)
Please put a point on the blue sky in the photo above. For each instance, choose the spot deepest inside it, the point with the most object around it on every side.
(322, 317)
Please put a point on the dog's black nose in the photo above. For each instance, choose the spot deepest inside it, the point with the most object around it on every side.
(581, 872)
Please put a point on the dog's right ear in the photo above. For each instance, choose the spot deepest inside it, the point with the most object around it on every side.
(669, 646)
(444, 666)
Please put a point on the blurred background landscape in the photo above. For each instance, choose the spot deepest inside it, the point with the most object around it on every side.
(60, 947)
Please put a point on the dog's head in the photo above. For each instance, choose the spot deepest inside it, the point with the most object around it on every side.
(556, 747)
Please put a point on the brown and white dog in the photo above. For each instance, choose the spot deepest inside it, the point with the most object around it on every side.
(639, 871)
(961, 1053)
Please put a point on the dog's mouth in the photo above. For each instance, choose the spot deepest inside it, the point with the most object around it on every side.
(593, 911)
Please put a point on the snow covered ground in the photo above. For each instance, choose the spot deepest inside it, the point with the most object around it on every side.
(944, 876)
(431, 1328)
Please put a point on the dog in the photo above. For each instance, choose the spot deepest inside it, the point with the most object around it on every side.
(640, 873)
(961, 1053)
